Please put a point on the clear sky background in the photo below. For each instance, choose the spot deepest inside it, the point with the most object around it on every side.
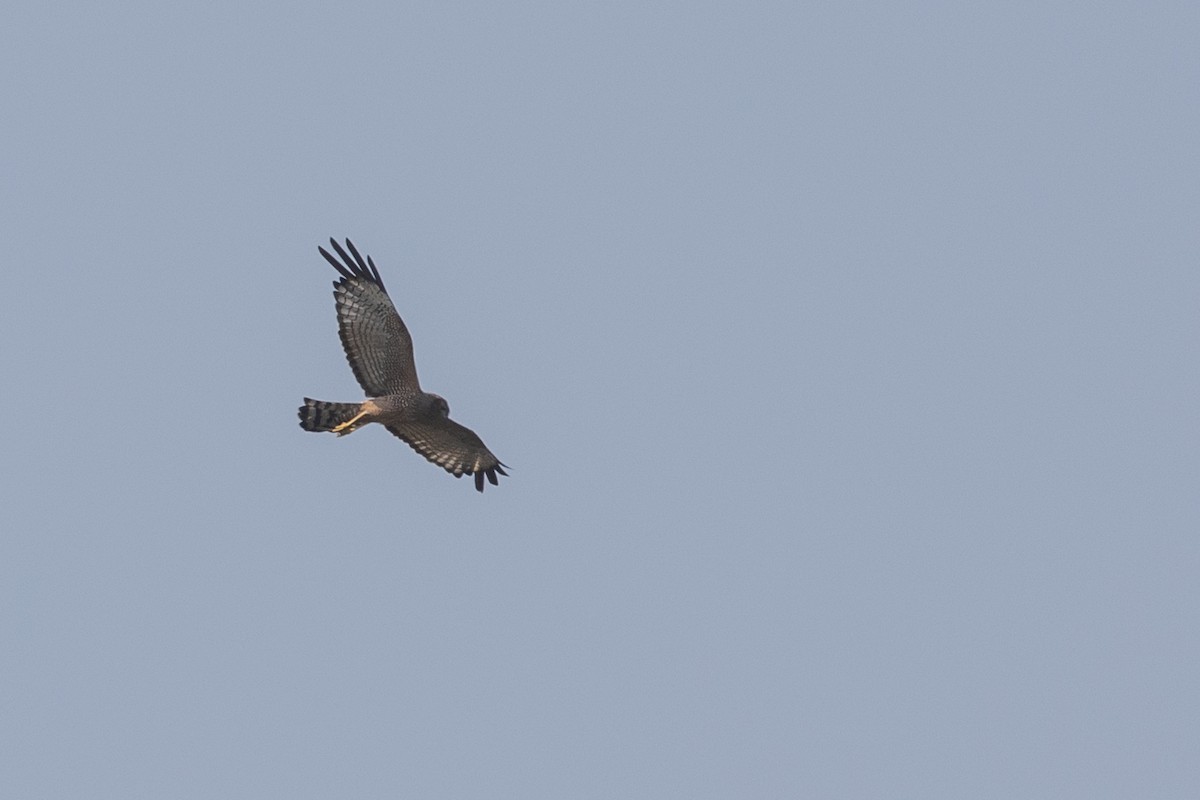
(845, 356)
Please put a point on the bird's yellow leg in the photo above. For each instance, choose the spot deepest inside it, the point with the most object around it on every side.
(348, 426)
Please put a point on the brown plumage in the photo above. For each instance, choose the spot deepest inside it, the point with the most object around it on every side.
(380, 351)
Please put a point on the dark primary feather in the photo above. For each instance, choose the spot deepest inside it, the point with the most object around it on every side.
(352, 269)
(491, 476)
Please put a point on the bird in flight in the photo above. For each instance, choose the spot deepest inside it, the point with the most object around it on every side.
(380, 352)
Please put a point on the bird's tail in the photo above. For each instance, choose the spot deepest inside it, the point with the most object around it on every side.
(318, 415)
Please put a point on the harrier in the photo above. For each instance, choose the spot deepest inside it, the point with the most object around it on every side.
(380, 352)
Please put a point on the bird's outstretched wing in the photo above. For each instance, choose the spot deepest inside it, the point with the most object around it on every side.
(453, 447)
(377, 344)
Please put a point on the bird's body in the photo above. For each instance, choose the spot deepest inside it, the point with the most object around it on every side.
(379, 349)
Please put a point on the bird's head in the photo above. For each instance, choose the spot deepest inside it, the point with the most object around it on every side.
(440, 405)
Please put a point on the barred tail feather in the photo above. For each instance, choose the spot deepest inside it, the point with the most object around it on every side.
(318, 415)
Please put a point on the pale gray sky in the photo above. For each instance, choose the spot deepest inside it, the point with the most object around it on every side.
(845, 356)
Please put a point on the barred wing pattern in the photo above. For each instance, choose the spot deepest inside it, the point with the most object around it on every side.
(377, 344)
(451, 446)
